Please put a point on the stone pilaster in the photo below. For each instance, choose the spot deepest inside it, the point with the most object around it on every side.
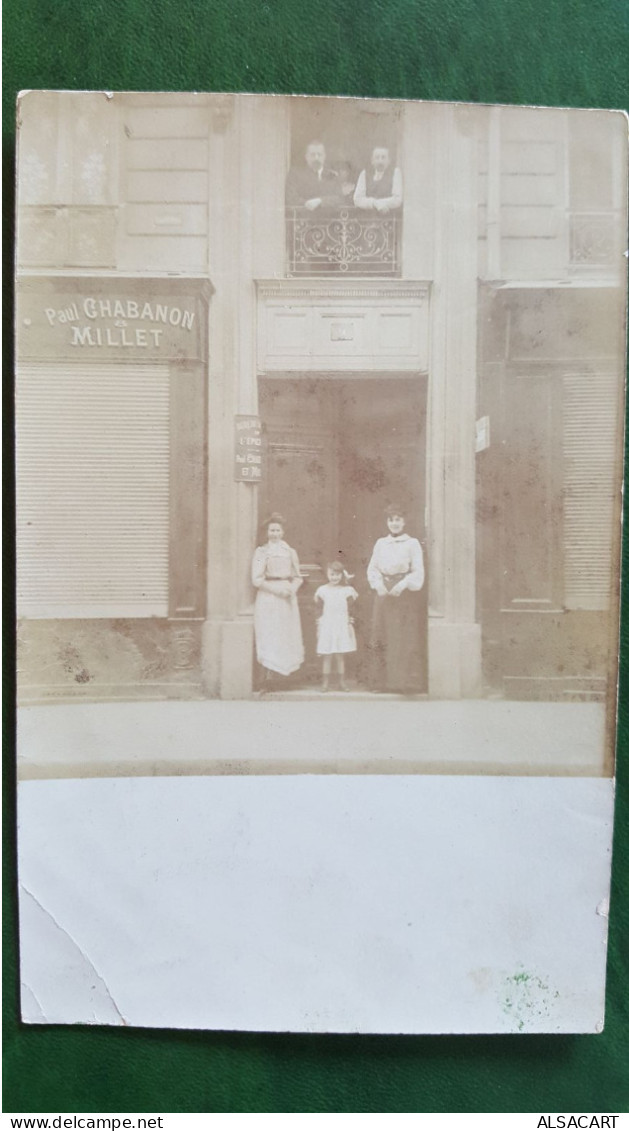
(454, 635)
(248, 153)
(223, 224)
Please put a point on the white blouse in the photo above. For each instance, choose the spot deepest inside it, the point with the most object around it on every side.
(276, 561)
(392, 556)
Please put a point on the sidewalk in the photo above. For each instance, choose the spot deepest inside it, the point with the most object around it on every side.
(331, 734)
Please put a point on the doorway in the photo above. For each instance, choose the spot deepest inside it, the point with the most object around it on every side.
(338, 451)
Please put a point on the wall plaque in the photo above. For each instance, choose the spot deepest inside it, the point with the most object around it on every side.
(248, 452)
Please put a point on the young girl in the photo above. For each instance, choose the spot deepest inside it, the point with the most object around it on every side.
(335, 630)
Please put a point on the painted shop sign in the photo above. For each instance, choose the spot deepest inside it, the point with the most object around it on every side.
(248, 458)
(73, 326)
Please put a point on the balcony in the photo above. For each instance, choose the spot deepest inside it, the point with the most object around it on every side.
(343, 241)
(70, 235)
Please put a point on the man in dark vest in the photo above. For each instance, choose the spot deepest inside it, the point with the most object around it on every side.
(313, 184)
(379, 187)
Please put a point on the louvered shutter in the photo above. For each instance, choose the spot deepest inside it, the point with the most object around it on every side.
(92, 490)
(589, 449)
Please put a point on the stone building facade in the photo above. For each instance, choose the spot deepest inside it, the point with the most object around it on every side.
(462, 352)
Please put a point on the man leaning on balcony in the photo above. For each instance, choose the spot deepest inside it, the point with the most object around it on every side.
(312, 185)
(380, 186)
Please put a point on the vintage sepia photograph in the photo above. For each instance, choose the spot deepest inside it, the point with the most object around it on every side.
(319, 421)
(321, 400)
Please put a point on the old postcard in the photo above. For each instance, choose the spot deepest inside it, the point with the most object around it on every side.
(319, 414)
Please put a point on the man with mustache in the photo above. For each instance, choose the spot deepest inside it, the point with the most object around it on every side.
(312, 185)
(380, 187)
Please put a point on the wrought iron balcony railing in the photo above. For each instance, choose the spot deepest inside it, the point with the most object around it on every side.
(343, 240)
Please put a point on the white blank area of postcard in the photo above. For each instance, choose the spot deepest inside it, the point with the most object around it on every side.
(398, 904)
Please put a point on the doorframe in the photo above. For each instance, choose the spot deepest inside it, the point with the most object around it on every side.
(347, 377)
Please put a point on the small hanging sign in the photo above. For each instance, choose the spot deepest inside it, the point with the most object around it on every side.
(482, 434)
(248, 450)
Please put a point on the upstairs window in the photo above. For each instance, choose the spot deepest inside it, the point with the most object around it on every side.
(595, 227)
(344, 190)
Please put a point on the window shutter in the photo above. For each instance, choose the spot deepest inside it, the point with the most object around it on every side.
(589, 443)
(92, 490)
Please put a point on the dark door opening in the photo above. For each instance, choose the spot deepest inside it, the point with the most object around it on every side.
(338, 452)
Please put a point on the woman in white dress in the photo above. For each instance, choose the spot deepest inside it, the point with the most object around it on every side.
(335, 628)
(277, 625)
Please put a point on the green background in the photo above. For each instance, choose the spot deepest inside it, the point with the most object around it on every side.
(552, 52)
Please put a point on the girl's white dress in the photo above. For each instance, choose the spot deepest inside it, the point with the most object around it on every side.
(277, 624)
(335, 633)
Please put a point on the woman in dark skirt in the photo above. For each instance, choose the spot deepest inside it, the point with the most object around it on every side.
(397, 646)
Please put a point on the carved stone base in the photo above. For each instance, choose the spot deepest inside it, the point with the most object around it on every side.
(454, 660)
(99, 660)
(228, 650)
(109, 659)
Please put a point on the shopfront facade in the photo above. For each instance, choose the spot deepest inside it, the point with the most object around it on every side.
(193, 355)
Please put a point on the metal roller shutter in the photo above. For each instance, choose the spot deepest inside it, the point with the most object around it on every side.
(92, 490)
(589, 448)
